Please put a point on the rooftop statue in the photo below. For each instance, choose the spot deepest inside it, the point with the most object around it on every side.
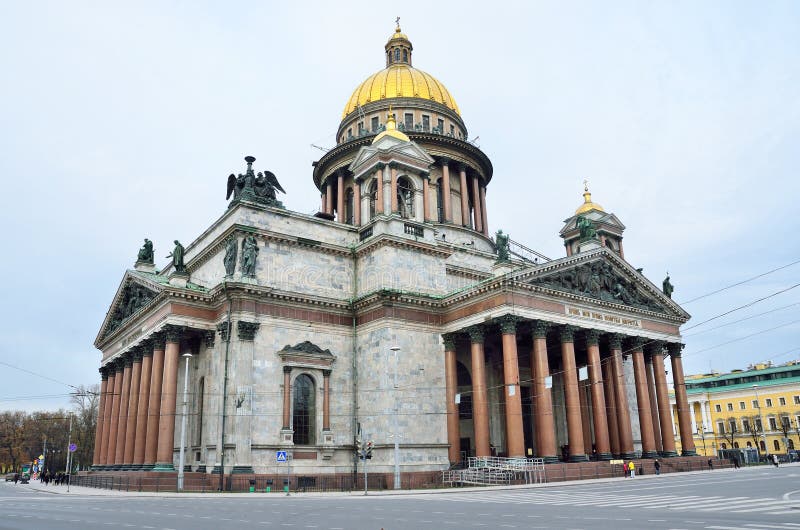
(667, 287)
(258, 188)
(146, 252)
(501, 242)
(177, 257)
(586, 227)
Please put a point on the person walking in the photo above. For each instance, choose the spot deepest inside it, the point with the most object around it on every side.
(774, 460)
(16, 477)
(710, 464)
(632, 469)
(657, 465)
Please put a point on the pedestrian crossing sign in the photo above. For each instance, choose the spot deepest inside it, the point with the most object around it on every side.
(281, 456)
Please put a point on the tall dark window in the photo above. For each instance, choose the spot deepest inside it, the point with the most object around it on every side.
(373, 198)
(348, 206)
(405, 56)
(440, 202)
(426, 123)
(405, 198)
(440, 125)
(303, 410)
(464, 382)
(201, 387)
(409, 117)
(374, 124)
(397, 54)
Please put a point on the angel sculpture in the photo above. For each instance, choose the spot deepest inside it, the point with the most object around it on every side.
(258, 188)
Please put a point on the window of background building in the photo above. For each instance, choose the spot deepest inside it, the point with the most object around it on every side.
(768, 402)
(759, 427)
(763, 446)
(741, 405)
(718, 407)
(782, 402)
(746, 425)
(797, 400)
(724, 445)
(736, 445)
(755, 403)
(732, 425)
(789, 444)
(777, 445)
(730, 406)
(721, 427)
(773, 425)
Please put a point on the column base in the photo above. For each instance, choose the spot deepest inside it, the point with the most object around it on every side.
(578, 458)
(242, 470)
(689, 452)
(668, 454)
(550, 459)
(649, 454)
(605, 456)
(146, 467)
(164, 467)
(629, 456)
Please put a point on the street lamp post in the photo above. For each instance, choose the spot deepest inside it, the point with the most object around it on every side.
(761, 419)
(396, 349)
(182, 458)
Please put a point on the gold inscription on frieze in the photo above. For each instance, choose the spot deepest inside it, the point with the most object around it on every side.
(603, 317)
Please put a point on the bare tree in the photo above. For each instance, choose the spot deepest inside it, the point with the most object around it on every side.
(730, 434)
(85, 402)
(755, 429)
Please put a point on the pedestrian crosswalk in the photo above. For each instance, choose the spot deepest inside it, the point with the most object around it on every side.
(661, 501)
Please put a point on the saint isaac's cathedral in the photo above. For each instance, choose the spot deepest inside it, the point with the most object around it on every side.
(392, 315)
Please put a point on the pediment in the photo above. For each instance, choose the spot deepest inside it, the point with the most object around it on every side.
(307, 355)
(602, 220)
(388, 150)
(602, 275)
(135, 292)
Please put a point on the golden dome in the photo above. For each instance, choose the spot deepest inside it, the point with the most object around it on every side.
(588, 205)
(391, 130)
(399, 80)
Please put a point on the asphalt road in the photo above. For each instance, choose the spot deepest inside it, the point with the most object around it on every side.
(747, 499)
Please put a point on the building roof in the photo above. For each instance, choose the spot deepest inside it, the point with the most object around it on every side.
(400, 80)
(776, 375)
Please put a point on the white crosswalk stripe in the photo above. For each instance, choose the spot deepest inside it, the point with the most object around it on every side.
(684, 503)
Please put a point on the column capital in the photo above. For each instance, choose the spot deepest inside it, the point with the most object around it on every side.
(147, 347)
(119, 363)
(444, 161)
(654, 347)
(247, 330)
(127, 359)
(674, 349)
(208, 337)
(592, 337)
(223, 329)
(425, 175)
(615, 341)
(508, 324)
(393, 165)
(104, 373)
(138, 353)
(636, 344)
(567, 333)
(326, 373)
(379, 166)
(288, 369)
(476, 334)
(539, 329)
(449, 340)
(462, 167)
(173, 333)
(159, 340)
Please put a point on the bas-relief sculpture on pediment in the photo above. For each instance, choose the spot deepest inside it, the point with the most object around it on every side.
(599, 280)
(133, 297)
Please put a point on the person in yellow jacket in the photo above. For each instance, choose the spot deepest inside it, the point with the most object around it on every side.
(631, 469)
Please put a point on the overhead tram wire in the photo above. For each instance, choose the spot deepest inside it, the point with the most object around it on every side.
(746, 336)
(738, 283)
(743, 319)
(39, 375)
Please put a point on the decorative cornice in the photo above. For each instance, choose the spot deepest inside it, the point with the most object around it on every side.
(476, 334)
(592, 337)
(674, 349)
(223, 329)
(449, 340)
(539, 329)
(567, 333)
(508, 324)
(381, 240)
(173, 333)
(247, 330)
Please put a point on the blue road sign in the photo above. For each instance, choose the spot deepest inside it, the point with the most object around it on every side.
(73, 448)
(281, 456)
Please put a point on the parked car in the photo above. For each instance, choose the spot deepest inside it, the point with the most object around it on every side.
(9, 477)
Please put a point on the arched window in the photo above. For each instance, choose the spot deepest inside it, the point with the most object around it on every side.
(373, 198)
(405, 56)
(790, 444)
(736, 445)
(349, 214)
(405, 198)
(763, 446)
(777, 445)
(303, 410)
(749, 444)
(440, 202)
(198, 437)
(397, 54)
(724, 445)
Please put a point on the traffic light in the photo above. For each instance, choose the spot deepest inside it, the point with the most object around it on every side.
(369, 449)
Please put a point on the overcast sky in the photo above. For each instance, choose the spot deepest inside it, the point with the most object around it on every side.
(121, 121)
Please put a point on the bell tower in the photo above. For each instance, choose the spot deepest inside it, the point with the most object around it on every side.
(591, 227)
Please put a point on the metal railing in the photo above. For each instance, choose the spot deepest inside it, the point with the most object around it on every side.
(495, 470)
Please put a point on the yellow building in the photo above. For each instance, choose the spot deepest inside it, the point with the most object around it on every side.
(758, 407)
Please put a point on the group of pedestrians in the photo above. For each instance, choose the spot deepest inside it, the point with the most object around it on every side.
(58, 479)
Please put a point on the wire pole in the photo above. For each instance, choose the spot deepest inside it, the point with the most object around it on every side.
(395, 349)
(182, 458)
